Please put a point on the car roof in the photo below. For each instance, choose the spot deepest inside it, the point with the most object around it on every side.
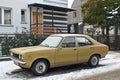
(67, 35)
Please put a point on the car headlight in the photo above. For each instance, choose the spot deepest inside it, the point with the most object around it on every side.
(20, 57)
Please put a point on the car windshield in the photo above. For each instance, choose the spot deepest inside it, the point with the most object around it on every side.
(51, 41)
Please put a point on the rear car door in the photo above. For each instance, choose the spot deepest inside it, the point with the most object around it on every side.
(84, 49)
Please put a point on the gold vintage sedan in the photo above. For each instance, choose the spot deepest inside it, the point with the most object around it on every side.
(59, 50)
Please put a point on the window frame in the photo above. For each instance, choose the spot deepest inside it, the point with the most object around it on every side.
(91, 43)
(74, 14)
(25, 16)
(64, 39)
(10, 16)
(3, 17)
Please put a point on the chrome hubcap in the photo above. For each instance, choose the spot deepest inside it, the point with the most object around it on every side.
(40, 67)
(94, 60)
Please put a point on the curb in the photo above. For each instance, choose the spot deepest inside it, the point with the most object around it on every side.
(5, 58)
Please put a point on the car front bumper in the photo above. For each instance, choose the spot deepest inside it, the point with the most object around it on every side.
(18, 61)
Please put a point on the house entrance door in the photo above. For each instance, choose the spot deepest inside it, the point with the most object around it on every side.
(37, 27)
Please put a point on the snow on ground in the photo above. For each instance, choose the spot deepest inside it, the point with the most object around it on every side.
(9, 71)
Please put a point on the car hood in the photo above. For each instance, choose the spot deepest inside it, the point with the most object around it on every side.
(23, 50)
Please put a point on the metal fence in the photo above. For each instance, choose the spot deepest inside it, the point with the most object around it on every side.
(113, 44)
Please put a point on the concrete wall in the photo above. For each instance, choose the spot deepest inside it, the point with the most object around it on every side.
(79, 15)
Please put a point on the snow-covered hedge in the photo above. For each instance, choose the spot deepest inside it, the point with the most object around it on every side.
(19, 40)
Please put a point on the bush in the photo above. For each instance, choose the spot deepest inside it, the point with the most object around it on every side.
(5, 46)
(20, 40)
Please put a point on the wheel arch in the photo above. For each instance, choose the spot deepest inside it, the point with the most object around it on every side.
(95, 54)
(41, 59)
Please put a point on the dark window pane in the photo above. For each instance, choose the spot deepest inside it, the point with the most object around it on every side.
(7, 16)
(23, 16)
(68, 42)
(22, 13)
(82, 41)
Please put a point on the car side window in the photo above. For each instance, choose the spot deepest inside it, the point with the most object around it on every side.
(82, 41)
(68, 42)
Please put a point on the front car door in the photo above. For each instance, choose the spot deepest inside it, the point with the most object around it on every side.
(85, 48)
(66, 53)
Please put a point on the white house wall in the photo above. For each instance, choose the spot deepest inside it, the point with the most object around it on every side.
(16, 6)
(35, 1)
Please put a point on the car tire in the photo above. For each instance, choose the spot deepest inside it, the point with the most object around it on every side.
(40, 67)
(93, 61)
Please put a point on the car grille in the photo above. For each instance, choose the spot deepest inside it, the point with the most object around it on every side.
(16, 55)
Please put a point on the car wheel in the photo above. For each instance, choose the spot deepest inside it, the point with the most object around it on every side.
(40, 67)
(93, 61)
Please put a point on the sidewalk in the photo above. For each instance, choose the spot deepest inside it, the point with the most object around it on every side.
(115, 54)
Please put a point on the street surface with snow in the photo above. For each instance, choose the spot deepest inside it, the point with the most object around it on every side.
(110, 64)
